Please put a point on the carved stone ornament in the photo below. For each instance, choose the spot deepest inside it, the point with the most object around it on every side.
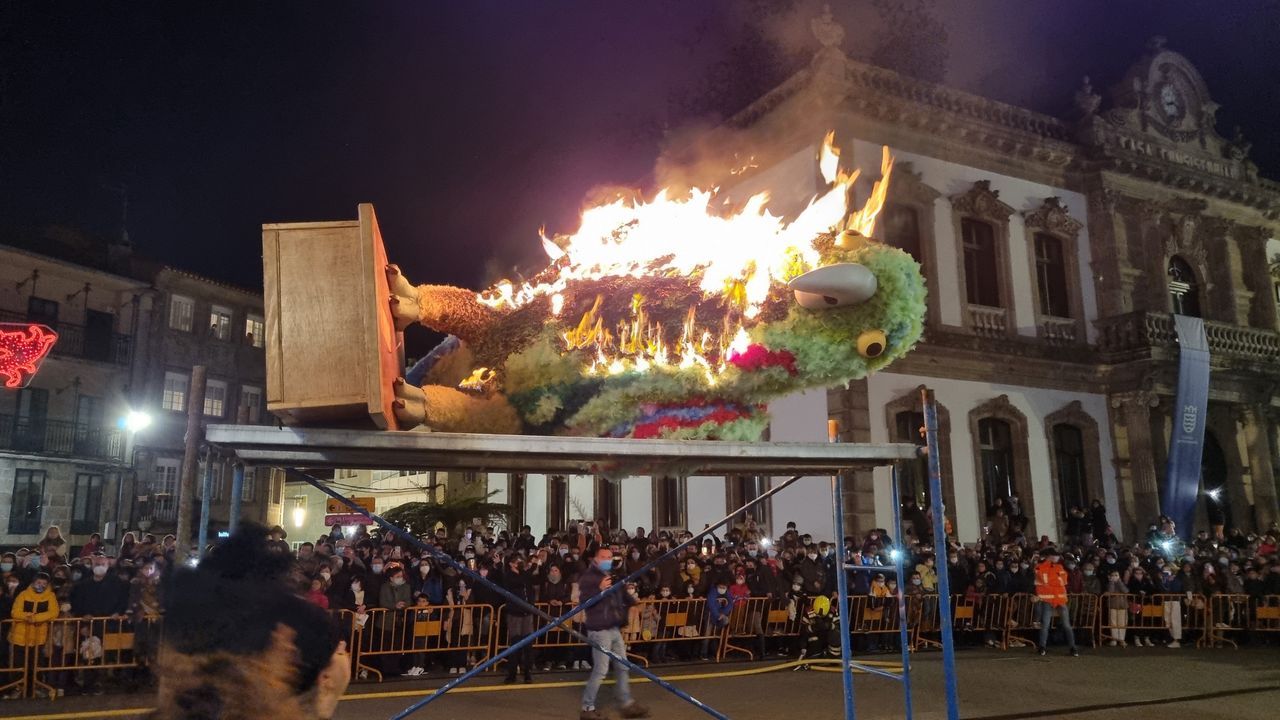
(981, 202)
(1087, 101)
(1275, 267)
(1134, 399)
(826, 29)
(1052, 217)
(1191, 250)
(909, 187)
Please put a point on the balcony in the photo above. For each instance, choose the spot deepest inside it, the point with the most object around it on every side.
(74, 342)
(1136, 334)
(1058, 331)
(990, 322)
(59, 437)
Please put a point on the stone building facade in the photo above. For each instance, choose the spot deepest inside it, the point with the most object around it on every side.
(1055, 252)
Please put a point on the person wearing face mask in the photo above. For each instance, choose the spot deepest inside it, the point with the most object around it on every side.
(604, 622)
(811, 571)
(34, 608)
(1051, 592)
(557, 593)
(1090, 584)
(518, 581)
(392, 626)
(101, 593)
(145, 604)
(428, 582)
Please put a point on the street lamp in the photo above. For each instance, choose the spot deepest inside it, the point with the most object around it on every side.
(133, 422)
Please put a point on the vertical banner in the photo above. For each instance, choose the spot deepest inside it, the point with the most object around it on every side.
(1182, 476)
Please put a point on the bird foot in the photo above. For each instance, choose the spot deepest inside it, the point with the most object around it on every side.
(410, 405)
(406, 307)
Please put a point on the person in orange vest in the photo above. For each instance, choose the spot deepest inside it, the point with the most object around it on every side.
(1051, 590)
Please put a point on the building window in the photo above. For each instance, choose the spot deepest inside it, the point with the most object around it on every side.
(913, 475)
(981, 271)
(215, 398)
(86, 504)
(255, 331)
(742, 490)
(558, 502)
(26, 508)
(31, 421)
(1073, 486)
(182, 311)
(995, 446)
(1051, 276)
(902, 230)
(42, 311)
(215, 480)
(164, 488)
(608, 496)
(249, 490)
(670, 502)
(1184, 291)
(220, 322)
(175, 391)
(251, 401)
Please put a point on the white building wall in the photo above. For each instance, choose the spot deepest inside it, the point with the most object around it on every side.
(951, 179)
(535, 503)
(802, 417)
(497, 487)
(706, 502)
(960, 397)
(637, 503)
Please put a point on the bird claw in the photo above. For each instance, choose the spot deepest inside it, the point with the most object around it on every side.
(410, 405)
(405, 308)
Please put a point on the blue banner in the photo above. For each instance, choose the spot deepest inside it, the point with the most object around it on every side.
(1182, 476)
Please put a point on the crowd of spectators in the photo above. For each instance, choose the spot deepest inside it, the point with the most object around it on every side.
(367, 571)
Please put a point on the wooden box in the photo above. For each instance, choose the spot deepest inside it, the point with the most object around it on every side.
(332, 348)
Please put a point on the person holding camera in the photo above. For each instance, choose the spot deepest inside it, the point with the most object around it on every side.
(604, 624)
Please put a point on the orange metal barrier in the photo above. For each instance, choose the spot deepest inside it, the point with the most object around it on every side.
(1084, 609)
(421, 631)
(90, 644)
(1266, 614)
(15, 662)
(755, 619)
(1227, 613)
(1121, 615)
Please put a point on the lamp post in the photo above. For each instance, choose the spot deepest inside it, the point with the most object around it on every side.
(134, 422)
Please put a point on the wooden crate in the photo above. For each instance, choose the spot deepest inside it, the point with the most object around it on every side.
(332, 348)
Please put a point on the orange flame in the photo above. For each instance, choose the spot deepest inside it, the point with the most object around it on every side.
(736, 256)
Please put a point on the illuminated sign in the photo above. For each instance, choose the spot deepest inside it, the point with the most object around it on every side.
(22, 349)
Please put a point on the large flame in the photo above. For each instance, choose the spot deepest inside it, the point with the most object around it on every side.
(737, 256)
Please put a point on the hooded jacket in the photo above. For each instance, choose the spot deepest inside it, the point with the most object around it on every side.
(38, 610)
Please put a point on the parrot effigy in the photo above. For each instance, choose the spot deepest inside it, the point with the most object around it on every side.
(667, 319)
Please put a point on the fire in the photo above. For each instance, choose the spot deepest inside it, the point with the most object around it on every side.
(736, 256)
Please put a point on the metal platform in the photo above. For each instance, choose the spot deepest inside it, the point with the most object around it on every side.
(398, 450)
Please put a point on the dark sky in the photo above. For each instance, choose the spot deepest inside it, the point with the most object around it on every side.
(469, 124)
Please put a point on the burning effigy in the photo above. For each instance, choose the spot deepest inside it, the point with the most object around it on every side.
(668, 318)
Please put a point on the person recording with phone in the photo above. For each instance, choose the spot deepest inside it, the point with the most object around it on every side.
(604, 624)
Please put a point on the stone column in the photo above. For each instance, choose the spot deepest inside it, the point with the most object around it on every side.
(1136, 460)
(1109, 246)
(1257, 438)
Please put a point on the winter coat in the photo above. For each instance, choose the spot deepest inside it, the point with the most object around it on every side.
(38, 610)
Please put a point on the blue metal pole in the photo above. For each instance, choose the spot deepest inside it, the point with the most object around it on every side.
(940, 553)
(842, 583)
(237, 490)
(553, 622)
(903, 633)
(204, 504)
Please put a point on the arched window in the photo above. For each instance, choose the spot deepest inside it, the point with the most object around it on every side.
(981, 268)
(902, 229)
(1073, 481)
(1184, 291)
(995, 445)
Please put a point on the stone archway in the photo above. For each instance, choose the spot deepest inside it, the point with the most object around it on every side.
(1074, 414)
(910, 403)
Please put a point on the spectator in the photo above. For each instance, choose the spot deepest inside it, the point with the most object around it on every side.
(93, 547)
(102, 594)
(316, 594)
(518, 581)
(276, 543)
(53, 545)
(1117, 608)
(34, 608)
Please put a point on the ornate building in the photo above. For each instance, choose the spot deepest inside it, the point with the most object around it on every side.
(1055, 251)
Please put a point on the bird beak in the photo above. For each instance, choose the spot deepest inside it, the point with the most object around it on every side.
(833, 286)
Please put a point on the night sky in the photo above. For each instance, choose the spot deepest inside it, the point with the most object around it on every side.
(470, 124)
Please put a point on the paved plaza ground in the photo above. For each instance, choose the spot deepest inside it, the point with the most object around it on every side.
(1103, 684)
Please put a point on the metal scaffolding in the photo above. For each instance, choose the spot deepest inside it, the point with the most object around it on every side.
(298, 449)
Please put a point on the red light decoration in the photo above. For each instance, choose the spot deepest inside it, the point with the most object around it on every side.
(22, 349)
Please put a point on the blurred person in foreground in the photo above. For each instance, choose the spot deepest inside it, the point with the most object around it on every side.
(604, 628)
(239, 643)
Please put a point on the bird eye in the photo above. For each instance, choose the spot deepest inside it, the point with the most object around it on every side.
(872, 343)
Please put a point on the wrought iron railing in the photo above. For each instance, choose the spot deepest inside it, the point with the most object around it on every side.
(1141, 331)
(59, 437)
(114, 348)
